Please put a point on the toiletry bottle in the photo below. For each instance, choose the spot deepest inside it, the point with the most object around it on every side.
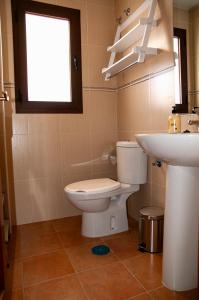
(174, 122)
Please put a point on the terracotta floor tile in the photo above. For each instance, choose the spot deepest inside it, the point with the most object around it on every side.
(147, 268)
(141, 297)
(112, 282)
(132, 234)
(74, 238)
(67, 224)
(45, 267)
(67, 288)
(125, 247)
(14, 275)
(35, 228)
(165, 294)
(35, 244)
(14, 295)
(83, 259)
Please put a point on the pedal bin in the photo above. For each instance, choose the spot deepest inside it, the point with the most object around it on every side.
(151, 224)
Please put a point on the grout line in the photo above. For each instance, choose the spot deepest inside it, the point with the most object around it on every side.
(141, 294)
(49, 280)
(83, 288)
(133, 275)
(24, 258)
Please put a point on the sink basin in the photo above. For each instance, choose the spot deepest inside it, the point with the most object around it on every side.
(181, 218)
(175, 149)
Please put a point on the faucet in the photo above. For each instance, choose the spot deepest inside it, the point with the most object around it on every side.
(193, 122)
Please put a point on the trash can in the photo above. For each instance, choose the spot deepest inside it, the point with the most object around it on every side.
(151, 224)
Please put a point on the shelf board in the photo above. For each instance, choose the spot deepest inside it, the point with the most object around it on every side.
(134, 35)
(127, 61)
(122, 64)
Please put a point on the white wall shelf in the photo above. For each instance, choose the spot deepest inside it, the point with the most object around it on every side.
(131, 37)
(139, 32)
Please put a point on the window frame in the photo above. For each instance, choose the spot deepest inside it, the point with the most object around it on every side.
(182, 36)
(19, 8)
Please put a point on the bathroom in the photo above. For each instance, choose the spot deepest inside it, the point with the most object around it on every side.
(41, 153)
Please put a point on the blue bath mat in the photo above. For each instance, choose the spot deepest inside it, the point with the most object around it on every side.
(100, 250)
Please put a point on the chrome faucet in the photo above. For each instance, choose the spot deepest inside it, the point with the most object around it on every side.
(193, 122)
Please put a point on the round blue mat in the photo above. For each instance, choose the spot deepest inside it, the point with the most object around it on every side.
(100, 250)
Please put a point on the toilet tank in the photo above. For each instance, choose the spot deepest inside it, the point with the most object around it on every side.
(131, 163)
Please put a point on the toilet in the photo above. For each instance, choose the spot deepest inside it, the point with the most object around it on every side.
(103, 200)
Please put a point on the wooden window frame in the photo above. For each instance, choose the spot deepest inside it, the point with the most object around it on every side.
(181, 34)
(19, 8)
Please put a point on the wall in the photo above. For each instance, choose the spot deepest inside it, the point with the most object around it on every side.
(50, 151)
(194, 53)
(145, 98)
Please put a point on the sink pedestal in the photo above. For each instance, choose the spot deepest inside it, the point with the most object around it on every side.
(180, 250)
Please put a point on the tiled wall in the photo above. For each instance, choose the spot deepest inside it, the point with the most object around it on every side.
(145, 98)
(50, 151)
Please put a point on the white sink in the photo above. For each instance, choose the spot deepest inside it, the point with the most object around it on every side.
(180, 250)
(176, 149)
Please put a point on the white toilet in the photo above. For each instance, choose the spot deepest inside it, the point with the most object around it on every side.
(103, 201)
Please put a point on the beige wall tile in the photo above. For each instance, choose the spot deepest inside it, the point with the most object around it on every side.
(138, 200)
(44, 155)
(157, 195)
(161, 101)
(20, 157)
(103, 111)
(102, 143)
(101, 24)
(42, 124)
(20, 124)
(98, 58)
(110, 3)
(126, 136)
(24, 202)
(133, 108)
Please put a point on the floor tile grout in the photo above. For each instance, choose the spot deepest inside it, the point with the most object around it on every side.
(134, 276)
(119, 260)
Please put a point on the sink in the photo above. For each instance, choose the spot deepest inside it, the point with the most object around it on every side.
(176, 149)
(181, 218)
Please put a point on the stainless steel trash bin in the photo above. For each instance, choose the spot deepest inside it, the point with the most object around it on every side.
(151, 224)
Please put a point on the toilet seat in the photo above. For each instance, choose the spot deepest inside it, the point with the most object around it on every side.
(95, 186)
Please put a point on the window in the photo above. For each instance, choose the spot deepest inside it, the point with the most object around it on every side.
(180, 70)
(47, 58)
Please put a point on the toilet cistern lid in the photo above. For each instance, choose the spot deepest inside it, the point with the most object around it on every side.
(93, 185)
(127, 144)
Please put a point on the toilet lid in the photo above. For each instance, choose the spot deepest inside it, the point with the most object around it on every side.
(93, 186)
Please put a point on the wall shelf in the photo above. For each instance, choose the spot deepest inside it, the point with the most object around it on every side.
(139, 32)
(131, 37)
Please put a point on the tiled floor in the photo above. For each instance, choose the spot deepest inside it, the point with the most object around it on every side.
(52, 261)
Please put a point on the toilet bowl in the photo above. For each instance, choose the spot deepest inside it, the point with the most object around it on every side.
(103, 200)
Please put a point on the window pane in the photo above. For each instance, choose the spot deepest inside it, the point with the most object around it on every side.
(177, 71)
(48, 58)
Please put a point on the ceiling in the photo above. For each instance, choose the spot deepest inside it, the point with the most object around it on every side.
(185, 4)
